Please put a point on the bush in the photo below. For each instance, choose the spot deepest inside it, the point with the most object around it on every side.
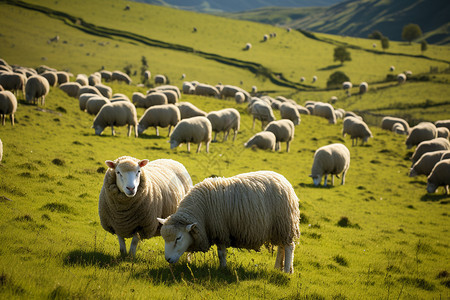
(336, 79)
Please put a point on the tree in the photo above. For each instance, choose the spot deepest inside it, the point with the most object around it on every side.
(336, 79)
(411, 32)
(384, 43)
(376, 35)
(341, 54)
(423, 46)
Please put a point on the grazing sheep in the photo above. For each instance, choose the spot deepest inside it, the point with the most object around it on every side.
(326, 111)
(314, 79)
(121, 77)
(283, 130)
(302, 79)
(172, 96)
(105, 90)
(120, 97)
(195, 130)
(429, 146)
(333, 99)
(442, 123)
(401, 78)
(94, 104)
(352, 114)
(427, 162)
(347, 86)
(248, 46)
(160, 79)
(398, 128)
(265, 38)
(84, 98)
(147, 75)
(155, 98)
(254, 89)
(71, 88)
(88, 89)
(363, 87)
(244, 211)
(94, 79)
(63, 77)
(188, 88)
(51, 77)
(239, 97)
(423, 131)
(229, 91)
(106, 75)
(82, 79)
(119, 113)
(439, 176)
(443, 132)
(289, 111)
(138, 99)
(8, 106)
(356, 128)
(225, 120)
(206, 90)
(262, 111)
(392, 68)
(189, 110)
(163, 88)
(340, 113)
(136, 192)
(160, 115)
(332, 159)
(388, 123)
(37, 87)
(13, 82)
(264, 140)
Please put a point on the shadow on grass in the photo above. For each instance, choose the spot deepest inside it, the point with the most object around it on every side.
(417, 181)
(146, 136)
(436, 198)
(321, 186)
(91, 258)
(330, 67)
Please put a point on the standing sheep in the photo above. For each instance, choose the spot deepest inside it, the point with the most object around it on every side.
(248, 46)
(429, 146)
(105, 90)
(63, 77)
(356, 128)
(172, 96)
(138, 99)
(188, 88)
(155, 98)
(136, 192)
(363, 88)
(119, 113)
(264, 140)
(189, 110)
(166, 87)
(443, 132)
(440, 176)
(88, 89)
(244, 211)
(83, 99)
(82, 79)
(423, 131)
(37, 87)
(262, 111)
(106, 75)
(229, 91)
(195, 130)
(289, 111)
(160, 115)
(239, 97)
(95, 78)
(207, 90)
(401, 78)
(332, 159)
(160, 79)
(51, 77)
(13, 82)
(326, 111)
(283, 130)
(71, 88)
(427, 161)
(347, 86)
(94, 104)
(121, 77)
(8, 106)
(388, 122)
(442, 123)
(225, 120)
(314, 79)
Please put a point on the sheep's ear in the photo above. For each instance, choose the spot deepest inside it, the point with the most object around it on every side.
(143, 162)
(190, 227)
(110, 164)
(161, 221)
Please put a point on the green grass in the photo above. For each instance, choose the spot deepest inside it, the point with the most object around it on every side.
(378, 236)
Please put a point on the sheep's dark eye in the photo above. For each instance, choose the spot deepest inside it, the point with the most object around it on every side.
(177, 239)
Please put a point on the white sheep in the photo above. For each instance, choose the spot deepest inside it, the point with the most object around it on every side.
(443, 132)
(439, 176)
(188, 88)
(207, 90)
(119, 113)
(135, 193)
(223, 121)
(427, 161)
(82, 100)
(229, 91)
(429, 146)
(95, 78)
(423, 131)
(155, 98)
(147, 75)
(37, 87)
(326, 111)
(283, 130)
(106, 75)
(388, 123)
(88, 89)
(105, 90)
(443, 123)
(302, 79)
(8, 106)
(356, 128)
(172, 96)
(314, 79)
(262, 111)
(244, 211)
(239, 97)
(248, 46)
(71, 88)
(121, 77)
(51, 77)
(193, 130)
(401, 78)
(94, 104)
(62, 76)
(363, 87)
(82, 79)
(332, 159)
(159, 116)
(13, 82)
(264, 140)
(138, 99)
(189, 110)
(347, 86)
(289, 111)
(398, 128)
(160, 79)
(166, 87)
(392, 68)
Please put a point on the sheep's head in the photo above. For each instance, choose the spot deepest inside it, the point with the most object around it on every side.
(128, 175)
(316, 179)
(174, 143)
(431, 187)
(177, 239)
(140, 129)
(98, 129)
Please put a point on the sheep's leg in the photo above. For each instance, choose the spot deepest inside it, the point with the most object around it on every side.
(325, 180)
(343, 177)
(207, 147)
(253, 126)
(12, 119)
(157, 131)
(446, 189)
(222, 252)
(134, 244)
(289, 258)
(112, 130)
(2, 117)
(288, 143)
(235, 134)
(188, 147)
(135, 131)
(170, 129)
(277, 146)
(123, 247)
(215, 137)
(225, 135)
(129, 130)
(279, 261)
(199, 147)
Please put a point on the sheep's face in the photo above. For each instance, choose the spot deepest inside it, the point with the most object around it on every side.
(128, 175)
(174, 144)
(140, 129)
(177, 240)
(98, 129)
(316, 179)
(431, 187)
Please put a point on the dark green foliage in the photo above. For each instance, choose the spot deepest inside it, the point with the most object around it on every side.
(58, 162)
(411, 32)
(376, 35)
(336, 79)
(57, 207)
(345, 222)
(423, 46)
(419, 283)
(341, 54)
(384, 43)
(341, 260)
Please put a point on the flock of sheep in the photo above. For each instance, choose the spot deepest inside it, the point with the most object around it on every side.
(162, 190)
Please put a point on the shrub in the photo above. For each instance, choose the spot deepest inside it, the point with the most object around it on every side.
(336, 79)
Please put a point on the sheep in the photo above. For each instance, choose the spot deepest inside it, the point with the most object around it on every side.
(160, 115)
(264, 140)
(105, 90)
(189, 110)
(88, 89)
(138, 99)
(276, 104)
(8, 106)
(347, 86)
(147, 75)
(254, 89)
(51, 77)
(423, 131)
(331, 159)
(439, 176)
(239, 97)
(172, 96)
(443, 132)
(84, 98)
(392, 68)
(333, 99)
(427, 161)
(229, 91)
(225, 120)
(37, 87)
(63, 77)
(314, 79)
(82, 79)
(248, 46)
(302, 79)
(13, 82)
(398, 128)
(195, 130)
(121, 77)
(401, 78)
(156, 98)
(289, 111)
(340, 113)
(188, 88)
(262, 111)
(116, 114)
(166, 87)
(388, 122)
(71, 88)
(136, 192)
(160, 79)
(94, 104)
(94, 79)
(310, 108)
(244, 211)
(119, 97)
(356, 128)
(283, 130)
(326, 111)
(265, 38)
(442, 123)
(1, 88)
(106, 75)
(363, 88)
(429, 146)
(352, 114)
(206, 90)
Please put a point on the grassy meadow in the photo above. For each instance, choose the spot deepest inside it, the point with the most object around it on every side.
(379, 236)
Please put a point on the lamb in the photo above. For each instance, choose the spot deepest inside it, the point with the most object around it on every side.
(94, 104)
(195, 130)
(189, 110)
(82, 79)
(62, 76)
(13, 82)
(332, 159)
(88, 89)
(239, 97)
(105, 90)
(225, 120)
(283, 130)
(262, 111)
(160, 79)
(401, 78)
(121, 77)
(388, 122)
(116, 114)
(423, 131)
(429, 146)
(51, 77)
(37, 87)
(440, 176)
(160, 115)
(206, 90)
(135, 193)
(8, 106)
(71, 88)
(356, 128)
(363, 87)
(427, 162)
(326, 111)
(442, 123)
(84, 98)
(244, 211)
(264, 140)
(290, 112)
(443, 132)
